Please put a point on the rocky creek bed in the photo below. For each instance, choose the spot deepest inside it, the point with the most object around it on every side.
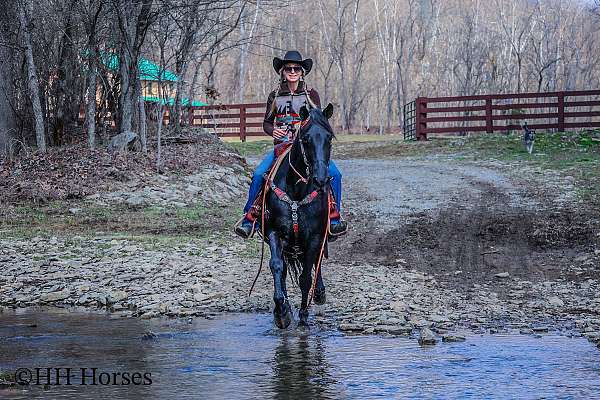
(435, 244)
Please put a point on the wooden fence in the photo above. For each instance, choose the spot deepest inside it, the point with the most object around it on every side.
(231, 120)
(501, 112)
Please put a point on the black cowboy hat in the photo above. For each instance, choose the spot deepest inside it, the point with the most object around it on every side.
(292, 57)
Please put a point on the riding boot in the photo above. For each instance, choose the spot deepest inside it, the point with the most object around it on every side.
(250, 221)
(337, 226)
(244, 229)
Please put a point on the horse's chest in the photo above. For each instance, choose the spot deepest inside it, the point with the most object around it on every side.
(280, 217)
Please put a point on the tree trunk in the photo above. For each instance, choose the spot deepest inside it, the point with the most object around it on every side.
(7, 117)
(192, 88)
(134, 19)
(142, 116)
(32, 79)
(90, 111)
(65, 85)
(175, 117)
(160, 113)
(126, 115)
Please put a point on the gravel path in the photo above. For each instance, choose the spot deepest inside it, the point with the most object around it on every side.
(399, 188)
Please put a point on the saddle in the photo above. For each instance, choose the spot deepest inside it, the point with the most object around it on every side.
(281, 151)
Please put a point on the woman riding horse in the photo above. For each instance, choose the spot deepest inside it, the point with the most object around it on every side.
(282, 120)
(295, 221)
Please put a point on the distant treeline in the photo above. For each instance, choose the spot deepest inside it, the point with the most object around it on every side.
(371, 57)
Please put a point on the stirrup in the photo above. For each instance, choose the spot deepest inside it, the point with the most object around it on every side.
(242, 230)
(332, 236)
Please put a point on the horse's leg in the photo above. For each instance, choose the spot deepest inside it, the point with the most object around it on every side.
(282, 310)
(305, 281)
(284, 278)
(320, 297)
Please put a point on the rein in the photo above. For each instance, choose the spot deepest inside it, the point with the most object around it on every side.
(302, 178)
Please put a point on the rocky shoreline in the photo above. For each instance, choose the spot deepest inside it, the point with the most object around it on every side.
(369, 290)
(205, 278)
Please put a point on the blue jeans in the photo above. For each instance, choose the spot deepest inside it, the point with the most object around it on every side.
(258, 180)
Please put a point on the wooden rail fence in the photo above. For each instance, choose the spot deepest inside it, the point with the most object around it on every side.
(231, 120)
(501, 112)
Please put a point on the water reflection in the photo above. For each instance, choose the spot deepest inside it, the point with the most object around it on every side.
(301, 368)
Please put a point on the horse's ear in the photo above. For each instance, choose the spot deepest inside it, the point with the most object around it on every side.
(303, 113)
(328, 111)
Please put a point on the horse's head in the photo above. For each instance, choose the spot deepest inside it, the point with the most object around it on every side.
(315, 140)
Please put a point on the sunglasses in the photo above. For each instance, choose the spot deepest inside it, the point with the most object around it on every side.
(291, 70)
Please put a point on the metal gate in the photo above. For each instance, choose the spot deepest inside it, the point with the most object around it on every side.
(409, 123)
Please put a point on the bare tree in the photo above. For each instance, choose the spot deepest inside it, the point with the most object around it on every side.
(91, 11)
(134, 19)
(7, 117)
(24, 10)
(348, 50)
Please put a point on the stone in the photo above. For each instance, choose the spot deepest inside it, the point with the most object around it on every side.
(419, 322)
(149, 335)
(399, 306)
(163, 308)
(427, 337)
(100, 298)
(555, 301)
(135, 200)
(502, 275)
(121, 142)
(592, 336)
(149, 315)
(202, 298)
(114, 296)
(438, 318)
(83, 288)
(55, 296)
(540, 329)
(453, 338)
(347, 327)
(393, 329)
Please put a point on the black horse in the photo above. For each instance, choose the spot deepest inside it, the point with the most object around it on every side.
(296, 216)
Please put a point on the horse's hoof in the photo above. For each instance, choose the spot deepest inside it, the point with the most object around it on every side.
(303, 319)
(283, 319)
(303, 326)
(320, 297)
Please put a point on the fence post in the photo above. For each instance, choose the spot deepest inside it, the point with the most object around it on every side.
(242, 123)
(191, 116)
(421, 114)
(489, 122)
(561, 111)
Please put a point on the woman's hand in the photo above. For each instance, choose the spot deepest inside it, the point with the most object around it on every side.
(279, 133)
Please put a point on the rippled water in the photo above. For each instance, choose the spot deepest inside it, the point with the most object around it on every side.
(242, 356)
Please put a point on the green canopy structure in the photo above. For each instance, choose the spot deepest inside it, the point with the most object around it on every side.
(148, 71)
(171, 101)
